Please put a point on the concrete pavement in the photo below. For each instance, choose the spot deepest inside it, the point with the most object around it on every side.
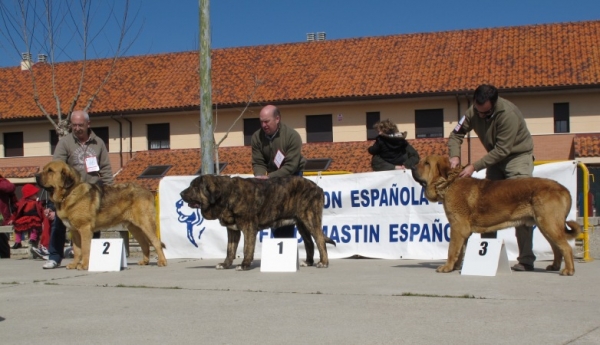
(354, 301)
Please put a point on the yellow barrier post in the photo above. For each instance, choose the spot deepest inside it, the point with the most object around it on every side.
(585, 236)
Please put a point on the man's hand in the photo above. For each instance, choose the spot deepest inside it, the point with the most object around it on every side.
(467, 171)
(454, 162)
(400, 167)
(262, 177)
(49, 214)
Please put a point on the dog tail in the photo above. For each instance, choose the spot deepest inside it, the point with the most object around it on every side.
(330, 241)
(574, 231)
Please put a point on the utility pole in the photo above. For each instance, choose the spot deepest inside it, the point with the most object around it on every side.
(207, 140)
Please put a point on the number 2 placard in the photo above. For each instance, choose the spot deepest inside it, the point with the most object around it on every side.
(279, 255)
(107, 255)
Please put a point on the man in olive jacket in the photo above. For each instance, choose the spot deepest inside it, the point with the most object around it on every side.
(502, 130)
(87, 153)
(276, 152)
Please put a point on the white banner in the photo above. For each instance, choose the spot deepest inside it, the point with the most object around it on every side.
(376, 214)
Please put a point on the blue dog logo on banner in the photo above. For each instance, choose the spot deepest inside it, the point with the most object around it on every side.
(192, 219)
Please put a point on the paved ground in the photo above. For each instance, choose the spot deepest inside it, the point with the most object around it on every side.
(354, 301)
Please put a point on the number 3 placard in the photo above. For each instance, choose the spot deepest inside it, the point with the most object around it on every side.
(107, 255)
(485, 257)
(279, 255)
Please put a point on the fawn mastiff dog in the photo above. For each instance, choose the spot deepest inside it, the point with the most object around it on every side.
(248, 205)
(85, 208)
(475, 205)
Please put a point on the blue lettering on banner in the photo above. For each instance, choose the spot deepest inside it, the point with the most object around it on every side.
(436, 232)
(333, 199)
(269, 234)
(261, 234)
(366, 233)
(393, 196)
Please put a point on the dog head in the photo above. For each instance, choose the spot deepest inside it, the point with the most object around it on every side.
(58, 178)
(431, 173)
(206, 193)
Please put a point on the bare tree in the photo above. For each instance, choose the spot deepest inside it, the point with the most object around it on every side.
(63, 31)
(207, 139)
(257, 84)
(208, 146)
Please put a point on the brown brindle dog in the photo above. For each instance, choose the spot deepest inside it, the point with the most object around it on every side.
(85, 208)
(475, 205)
(247, 205)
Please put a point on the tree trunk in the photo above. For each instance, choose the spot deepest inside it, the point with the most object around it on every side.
(207, 141)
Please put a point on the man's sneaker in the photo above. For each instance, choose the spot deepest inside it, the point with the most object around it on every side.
(519, 267)
(50, 264)
(69, 254)
(40, 252)
(44, 250)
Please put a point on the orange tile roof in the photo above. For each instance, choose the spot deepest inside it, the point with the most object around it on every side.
(534, 56)
(346, 156)
(587, 145)
(19, 172)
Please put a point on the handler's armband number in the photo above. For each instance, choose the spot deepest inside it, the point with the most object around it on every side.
(459, 125)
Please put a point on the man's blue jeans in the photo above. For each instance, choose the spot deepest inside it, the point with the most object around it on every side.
(58, 234)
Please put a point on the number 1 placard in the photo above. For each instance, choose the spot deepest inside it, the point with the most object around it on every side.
(107, 255)
(485, 257)
(279, 255)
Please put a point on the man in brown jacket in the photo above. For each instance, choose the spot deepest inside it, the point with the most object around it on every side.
(502, 130)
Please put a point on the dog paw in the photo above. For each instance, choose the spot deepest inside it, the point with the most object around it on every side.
(222, 266)
(566, 272)
(322, 265)
(242, 268)
(444, 269)
(161, 263)
(143, 262)
(306, 264)
(71, 266)
(552, 268)
(81, 267)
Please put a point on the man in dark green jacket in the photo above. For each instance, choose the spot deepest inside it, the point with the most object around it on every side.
(276, 152)
(502, 130)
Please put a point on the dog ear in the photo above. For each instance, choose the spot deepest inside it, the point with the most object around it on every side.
(67, 179)
(443, 166)
(210, 189)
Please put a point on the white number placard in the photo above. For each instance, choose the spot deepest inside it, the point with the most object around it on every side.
(107, 255)
(485, 257)
(279, 255)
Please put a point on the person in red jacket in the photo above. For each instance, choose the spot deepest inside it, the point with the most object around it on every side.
(7, 200)
(29, 217)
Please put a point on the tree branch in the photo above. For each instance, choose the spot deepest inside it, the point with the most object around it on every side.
(124, 30)
(257, 84)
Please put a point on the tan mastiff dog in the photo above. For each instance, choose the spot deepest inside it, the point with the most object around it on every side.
(85, 208)
(474, 205)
